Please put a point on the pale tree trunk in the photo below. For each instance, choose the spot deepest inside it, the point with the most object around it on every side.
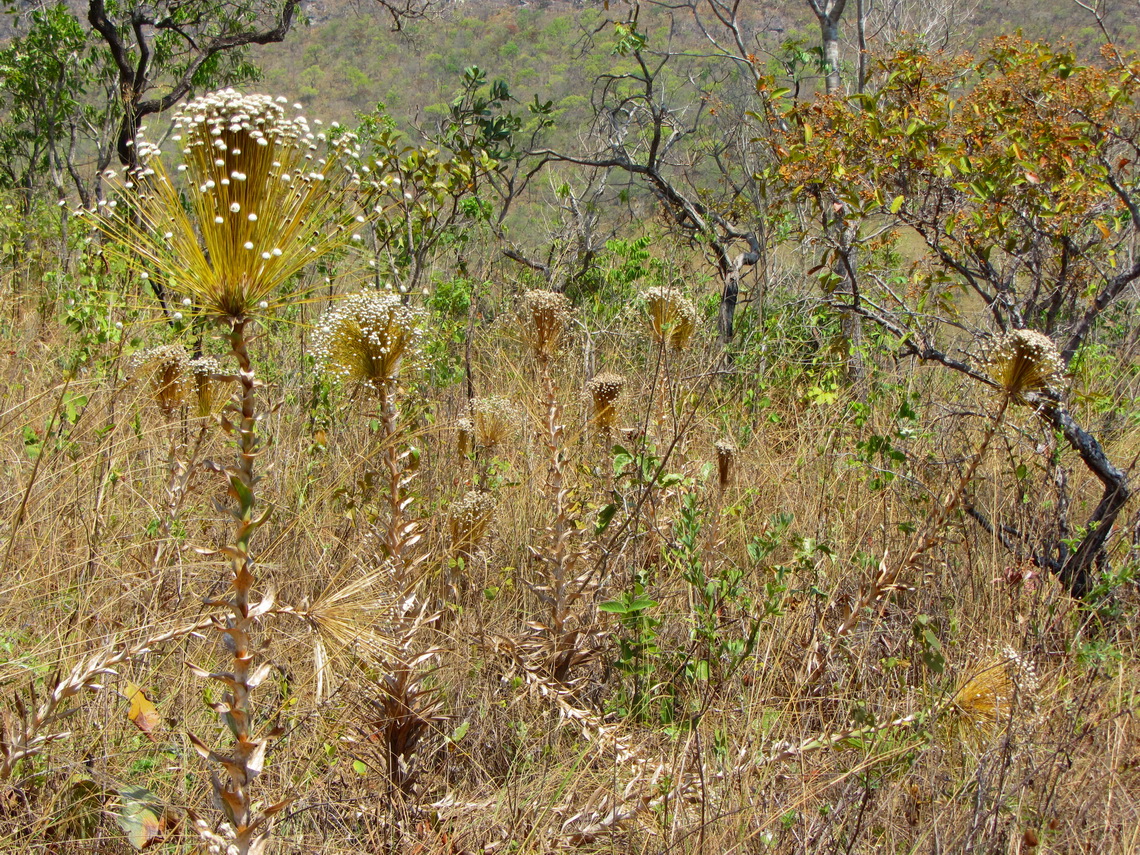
(828, 13)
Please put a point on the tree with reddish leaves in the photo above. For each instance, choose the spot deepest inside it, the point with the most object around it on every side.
(1017, 173)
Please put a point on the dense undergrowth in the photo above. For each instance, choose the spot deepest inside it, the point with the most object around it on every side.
(471, 565)
(616, 658)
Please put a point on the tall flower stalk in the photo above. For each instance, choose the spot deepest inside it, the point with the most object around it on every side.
(555, 645)
(369, 339)
(672, 321)
(265, 197)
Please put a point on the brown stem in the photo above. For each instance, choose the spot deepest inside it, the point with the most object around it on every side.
(244, 762)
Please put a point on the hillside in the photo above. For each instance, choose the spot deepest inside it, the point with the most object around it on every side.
(348, 59)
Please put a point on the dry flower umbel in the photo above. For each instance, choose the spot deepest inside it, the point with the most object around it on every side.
(368, 338)
(1026, 361)
(672, 316)
(205, 371)
(726, 453)
(605, 389)
(264, 195)
(469, 519)
(464, 437)
(1003, 684)
(544, 320)
(496, 420)
(167, 370)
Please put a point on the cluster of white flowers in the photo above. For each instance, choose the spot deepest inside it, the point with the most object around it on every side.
(1026, 361)
(267, 194)
(469, 519)
(672, 316)
(368, 338)
(495, 420)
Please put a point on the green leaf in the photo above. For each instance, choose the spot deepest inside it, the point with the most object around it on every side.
(359, 767)
(605, 516)
(896, 204)
(140, 816)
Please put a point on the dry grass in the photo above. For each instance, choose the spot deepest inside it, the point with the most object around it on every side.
(482, 706)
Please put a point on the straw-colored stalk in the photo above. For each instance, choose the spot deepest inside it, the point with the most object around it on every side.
(1024, 362)
(889, 573)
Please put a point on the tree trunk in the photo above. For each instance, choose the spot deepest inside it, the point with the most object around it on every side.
(829, 31)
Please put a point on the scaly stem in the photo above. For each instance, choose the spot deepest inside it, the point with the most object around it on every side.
(395, 537)
(247, 757)
(239, 625)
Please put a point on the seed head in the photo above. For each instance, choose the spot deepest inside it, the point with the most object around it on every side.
(166, 370)
(1026, 361)
(368, 338)
(605, 389)
(1004, 681)
(464, 436)
(469, 519)
(205, 371)
(243, 212)
(672, 316)
(726, 453)
(544, 320)
(495, 419)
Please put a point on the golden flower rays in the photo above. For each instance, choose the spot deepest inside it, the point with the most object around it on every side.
(257, 196)
(368, 338)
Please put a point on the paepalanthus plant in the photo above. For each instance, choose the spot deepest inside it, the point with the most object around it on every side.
(255, 198)
(370, 338)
